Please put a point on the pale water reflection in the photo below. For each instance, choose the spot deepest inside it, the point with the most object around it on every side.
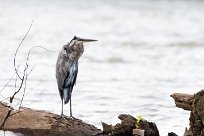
(146, 50)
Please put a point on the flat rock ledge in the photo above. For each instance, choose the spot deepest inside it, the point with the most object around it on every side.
(42, 123)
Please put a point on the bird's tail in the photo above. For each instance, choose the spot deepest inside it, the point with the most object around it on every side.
(66, 95)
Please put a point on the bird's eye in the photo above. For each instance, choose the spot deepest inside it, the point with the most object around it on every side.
(65, 49)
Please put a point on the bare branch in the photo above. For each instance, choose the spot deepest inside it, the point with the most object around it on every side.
(31, 70)
(15, 82)
(25, 85)
(18, 49)
(4, 104)
(7, 116)
(23, 78)
(42, 48)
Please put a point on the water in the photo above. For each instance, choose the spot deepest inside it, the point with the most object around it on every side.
(146, 50)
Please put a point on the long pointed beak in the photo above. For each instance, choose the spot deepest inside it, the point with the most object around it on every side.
(84, 40)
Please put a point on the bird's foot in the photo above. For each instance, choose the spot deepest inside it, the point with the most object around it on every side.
(62, 117)
(97, 134)
(73, 118)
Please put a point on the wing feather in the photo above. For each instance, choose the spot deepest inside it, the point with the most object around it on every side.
(70, 81)
(66, 75)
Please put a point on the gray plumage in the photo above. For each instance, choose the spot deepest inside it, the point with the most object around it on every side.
(67, 68)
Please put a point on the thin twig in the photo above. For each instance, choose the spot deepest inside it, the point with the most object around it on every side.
(25, 85)
(18, 49)
(25, 76)
(28, 93)
(21, 78)
(15, 113)
(15, 82)
(4, 104)
(7, 116)
(31, 70)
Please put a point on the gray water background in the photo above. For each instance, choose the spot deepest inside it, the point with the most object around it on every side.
(146, 50)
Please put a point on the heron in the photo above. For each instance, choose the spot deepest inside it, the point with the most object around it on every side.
(67, 68)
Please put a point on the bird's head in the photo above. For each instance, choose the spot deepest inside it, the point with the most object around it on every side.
(75, 47)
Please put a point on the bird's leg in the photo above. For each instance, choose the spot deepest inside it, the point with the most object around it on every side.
(62, 114)
(71, 110)
(71, 106)
(62, 109)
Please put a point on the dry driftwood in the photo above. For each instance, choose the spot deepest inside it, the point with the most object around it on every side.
(41, 123)
(195, 104)
(183, 101)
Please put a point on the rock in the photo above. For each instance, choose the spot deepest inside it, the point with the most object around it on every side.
(195, 104)
(106, 128)
(149, 127)
(138, 132)
(42, 123)
(188, 132)
(172, 134)
(125, 128)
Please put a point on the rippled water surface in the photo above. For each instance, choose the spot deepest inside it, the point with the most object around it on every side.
(146, 50)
